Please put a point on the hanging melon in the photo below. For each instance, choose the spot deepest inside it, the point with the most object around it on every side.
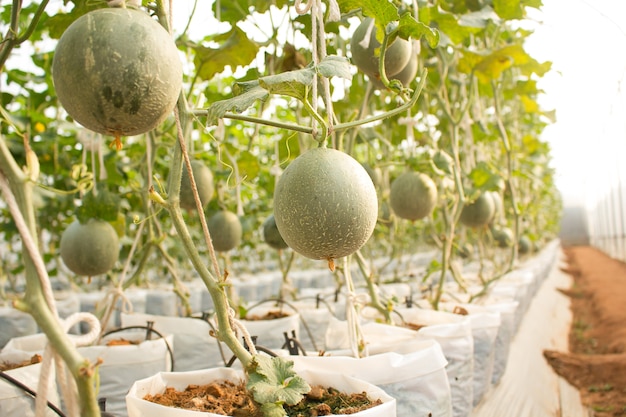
(117, 72)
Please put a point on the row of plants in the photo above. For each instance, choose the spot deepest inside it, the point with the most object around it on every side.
(364, 131)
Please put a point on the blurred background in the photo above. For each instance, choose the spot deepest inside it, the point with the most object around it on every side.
(586, 41)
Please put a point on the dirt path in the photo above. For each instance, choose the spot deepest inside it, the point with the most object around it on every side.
(597, 340)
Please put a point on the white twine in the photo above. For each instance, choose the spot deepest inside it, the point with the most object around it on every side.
(50, 356)
(354, 302)
(42, 273)
(238, 328)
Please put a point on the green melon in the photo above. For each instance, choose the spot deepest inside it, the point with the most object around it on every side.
(413, 196)
(479, 212)
(408, 74)
(503, 237)
(91, 248)
(365, 57)
(117, 72)
(204, 183)
(325, 204)
(524, 245)
(225, 229)
(271, 235)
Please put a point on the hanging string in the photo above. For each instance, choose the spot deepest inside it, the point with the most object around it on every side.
(240, 330)
(318, 46)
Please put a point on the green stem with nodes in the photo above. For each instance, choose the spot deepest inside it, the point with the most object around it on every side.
(319, 119)
(216, 288)
(225, 332)
(371, 288)
(19, 186)
(336, 128)
(506, 143)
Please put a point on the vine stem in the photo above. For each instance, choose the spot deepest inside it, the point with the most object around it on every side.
(506, 143)
(371, 287)
(215, 287)
(336, 128)
(17, 187)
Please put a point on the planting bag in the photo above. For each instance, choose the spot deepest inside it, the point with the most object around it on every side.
(315, 319)
(270, 332)
(485, 327)
(14, 323)
(454, 334)
(124, 364)
(416, 378)
(138, 407)
(194, 347)
(14, 401)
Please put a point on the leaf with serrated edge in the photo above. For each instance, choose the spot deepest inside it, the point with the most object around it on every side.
(290, 83)
(409, 27)
(273, 380)
(236, 104)
(335, 66)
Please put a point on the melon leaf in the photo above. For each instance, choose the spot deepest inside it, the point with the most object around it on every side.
(272, 380)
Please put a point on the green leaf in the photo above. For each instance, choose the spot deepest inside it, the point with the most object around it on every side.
(235, 50)
(236, 104)
(447, 23)
(491, 66)
(382, 11)
(272, 380)
(234, 11)
(295, 83)
(248, 166)
(508, 9)
(483, 178)
(102, 205)
(479, 19)
(290, 83)
(57, 23)
(409, 27)
(335, 66)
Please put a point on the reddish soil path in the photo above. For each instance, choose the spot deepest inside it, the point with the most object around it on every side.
(596, 363)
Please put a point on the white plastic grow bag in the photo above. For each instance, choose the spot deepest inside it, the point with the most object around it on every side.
(416, 377)
(485, 325)
(194, 347)
(138, 407)
(122, 365)
(269, 333)
(14, 401)
(454, 334)
(383, 338)
(15, 323)
(315, 317)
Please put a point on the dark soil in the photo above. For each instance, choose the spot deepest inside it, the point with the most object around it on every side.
(229, 399)
(596, 361)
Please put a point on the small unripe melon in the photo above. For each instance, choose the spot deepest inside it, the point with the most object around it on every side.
(271, 235)
(524, 245)
(325, 204)
(204, 183)
(479, 212)
(117, 71)
(90, 248)
(503, 237)
(365, 57)
(407, 74)
(413, 195)
(225, 229)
